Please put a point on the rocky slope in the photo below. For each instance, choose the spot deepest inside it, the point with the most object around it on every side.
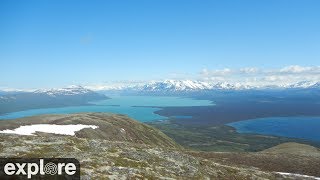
(294, 149)
(299, 159)
(111, 127)
(122, 148)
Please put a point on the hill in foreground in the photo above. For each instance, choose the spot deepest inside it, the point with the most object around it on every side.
(294, 149)
(121, 148)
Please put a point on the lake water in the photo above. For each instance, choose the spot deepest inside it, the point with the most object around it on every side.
(181, 117)
(129, 105)
(295, 127)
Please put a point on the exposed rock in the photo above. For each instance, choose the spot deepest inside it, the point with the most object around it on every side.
(122, 148)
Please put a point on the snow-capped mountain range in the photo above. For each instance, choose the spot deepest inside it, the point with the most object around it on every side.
(194, 85)
(175, 85)
(169, 86)
(67, 91)
(188, 85)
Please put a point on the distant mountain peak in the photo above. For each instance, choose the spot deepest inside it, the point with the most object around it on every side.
(304, 84)
(170, 85)
(176, 85)
(190, 85)
(67, 91)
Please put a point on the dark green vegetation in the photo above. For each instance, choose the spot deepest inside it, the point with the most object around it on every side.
(234, 106)
(206, 130)
(220, 138)
(122, 148)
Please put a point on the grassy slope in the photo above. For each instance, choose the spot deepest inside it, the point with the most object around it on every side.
(286, 157)
(111, 127)
(220, 138)
(145, 153)
(107, 152)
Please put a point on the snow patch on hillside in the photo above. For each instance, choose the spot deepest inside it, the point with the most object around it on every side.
(298, 175)
(48, 128)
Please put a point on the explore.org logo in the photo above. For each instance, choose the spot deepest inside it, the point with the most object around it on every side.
(39, 168)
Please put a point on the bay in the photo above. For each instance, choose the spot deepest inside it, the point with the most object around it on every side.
(296, 127)
(141, 108)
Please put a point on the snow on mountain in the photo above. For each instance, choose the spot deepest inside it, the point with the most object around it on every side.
(189, 85)
(230, 86)
(304, 84)
(176, 85)
(112, 87)
(315, 85)
(193, 85)
(68, 91)
(171, 86)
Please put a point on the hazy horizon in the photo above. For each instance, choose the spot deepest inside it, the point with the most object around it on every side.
(251, 76)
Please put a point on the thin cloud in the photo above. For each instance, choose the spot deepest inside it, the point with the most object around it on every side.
(249, 70)
(295, 69)
(262, 77)
(217, 72)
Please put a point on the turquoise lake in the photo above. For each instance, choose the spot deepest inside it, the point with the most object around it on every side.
(295, 127)
(128, 105)
(142, 108)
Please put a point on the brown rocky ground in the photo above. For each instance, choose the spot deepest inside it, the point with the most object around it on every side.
(122, 148)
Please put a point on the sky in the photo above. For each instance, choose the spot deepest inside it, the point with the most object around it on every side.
(54, 43)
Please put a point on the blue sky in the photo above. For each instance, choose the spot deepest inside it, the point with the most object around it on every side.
(54, 43)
